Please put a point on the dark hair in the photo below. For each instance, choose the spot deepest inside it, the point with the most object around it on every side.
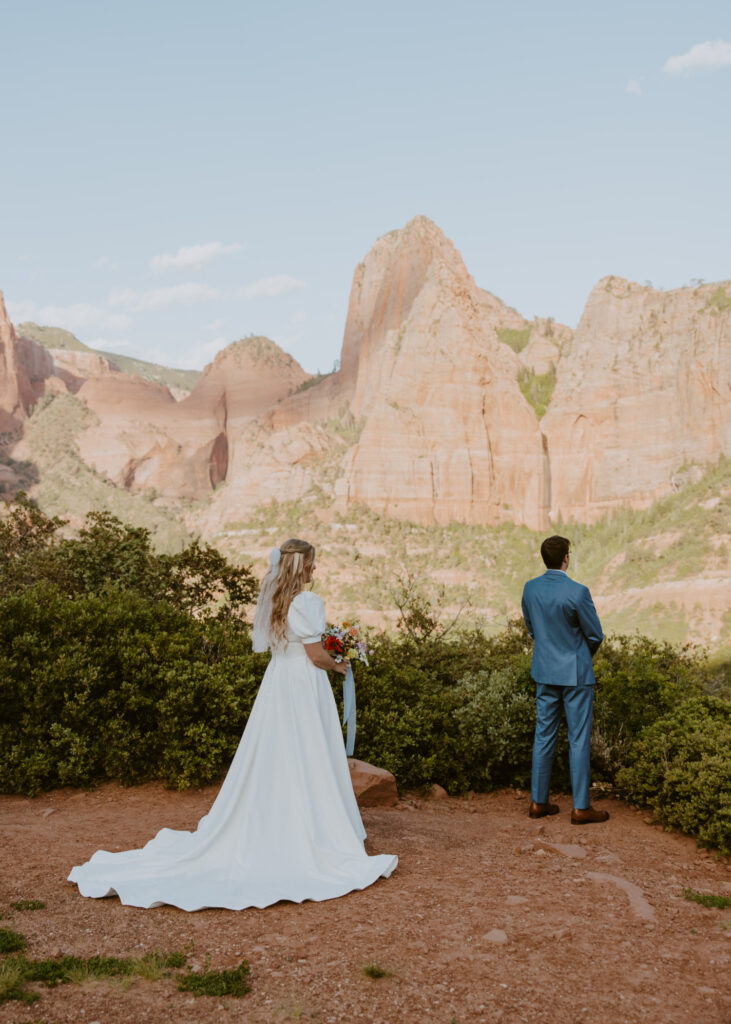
(554, 550)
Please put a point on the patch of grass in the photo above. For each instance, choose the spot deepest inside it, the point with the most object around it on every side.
(11, 941)
(375, 971)
(28, 905)
(152, 966)
(12, 983)
(233, 982)
(17, 972)
(537, 388)
(707, 899)
(517, 339)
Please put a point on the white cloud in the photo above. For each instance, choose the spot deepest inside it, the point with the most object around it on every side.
(271, 287)
(80, 316)
(192, 257)
(701, 57)
(214, 325)
(122, 297)
(634, 87)
(159, 298)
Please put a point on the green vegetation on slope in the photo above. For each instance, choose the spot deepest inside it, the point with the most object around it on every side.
(184, 380)
(55, 337)
(719, 301)
(68, 487)
(682, 535)
(537, 388)
(517, 339)
(52, 337)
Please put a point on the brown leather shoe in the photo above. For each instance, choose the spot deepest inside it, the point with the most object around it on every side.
(588, 816)
(541, 810)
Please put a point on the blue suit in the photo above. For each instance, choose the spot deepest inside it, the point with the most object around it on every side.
(560, 616)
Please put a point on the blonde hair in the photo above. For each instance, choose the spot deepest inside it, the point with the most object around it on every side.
(296, 557)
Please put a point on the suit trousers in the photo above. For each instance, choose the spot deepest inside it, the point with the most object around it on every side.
(578, 703)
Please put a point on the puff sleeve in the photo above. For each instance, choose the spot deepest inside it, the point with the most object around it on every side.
(306, 617)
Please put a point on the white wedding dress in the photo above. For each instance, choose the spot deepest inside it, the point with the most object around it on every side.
(285, 824)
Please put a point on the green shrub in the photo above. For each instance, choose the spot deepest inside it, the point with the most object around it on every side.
(496, 714)
(458, 710)
(129, 677)
(681, 767)
(109, 555)
(638, 680)
(118, 687)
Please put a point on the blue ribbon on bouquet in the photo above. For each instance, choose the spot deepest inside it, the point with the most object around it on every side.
(349, 709)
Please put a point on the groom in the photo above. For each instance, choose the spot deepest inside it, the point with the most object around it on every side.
(564, 625)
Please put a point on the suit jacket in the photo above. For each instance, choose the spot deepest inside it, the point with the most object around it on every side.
(561, 618)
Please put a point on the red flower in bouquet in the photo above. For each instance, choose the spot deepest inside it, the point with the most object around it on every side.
(334, 646)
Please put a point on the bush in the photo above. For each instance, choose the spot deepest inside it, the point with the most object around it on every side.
(681, 767)
(109, 555)
(496, 715)
(638, 680)
(118, 687)
(458, 710)
(101, 677)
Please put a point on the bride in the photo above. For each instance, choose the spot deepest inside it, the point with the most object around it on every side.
(285, 824)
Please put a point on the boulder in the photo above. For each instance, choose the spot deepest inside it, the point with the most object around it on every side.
(373, 787)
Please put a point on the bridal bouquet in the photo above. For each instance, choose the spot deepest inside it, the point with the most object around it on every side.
(345, 642)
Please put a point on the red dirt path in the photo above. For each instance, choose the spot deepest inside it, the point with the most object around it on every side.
(580, 944)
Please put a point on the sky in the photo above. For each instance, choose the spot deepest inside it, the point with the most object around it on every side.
(178, 175)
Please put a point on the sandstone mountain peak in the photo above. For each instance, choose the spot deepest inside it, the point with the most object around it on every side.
(418, 230)
(257, 350)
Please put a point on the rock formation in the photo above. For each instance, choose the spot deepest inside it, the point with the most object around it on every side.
(23, 369)
(426, 418)
(144, 438)
(643, 389)
(447, 434)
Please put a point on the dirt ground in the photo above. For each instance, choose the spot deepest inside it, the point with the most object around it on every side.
(489, 917)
